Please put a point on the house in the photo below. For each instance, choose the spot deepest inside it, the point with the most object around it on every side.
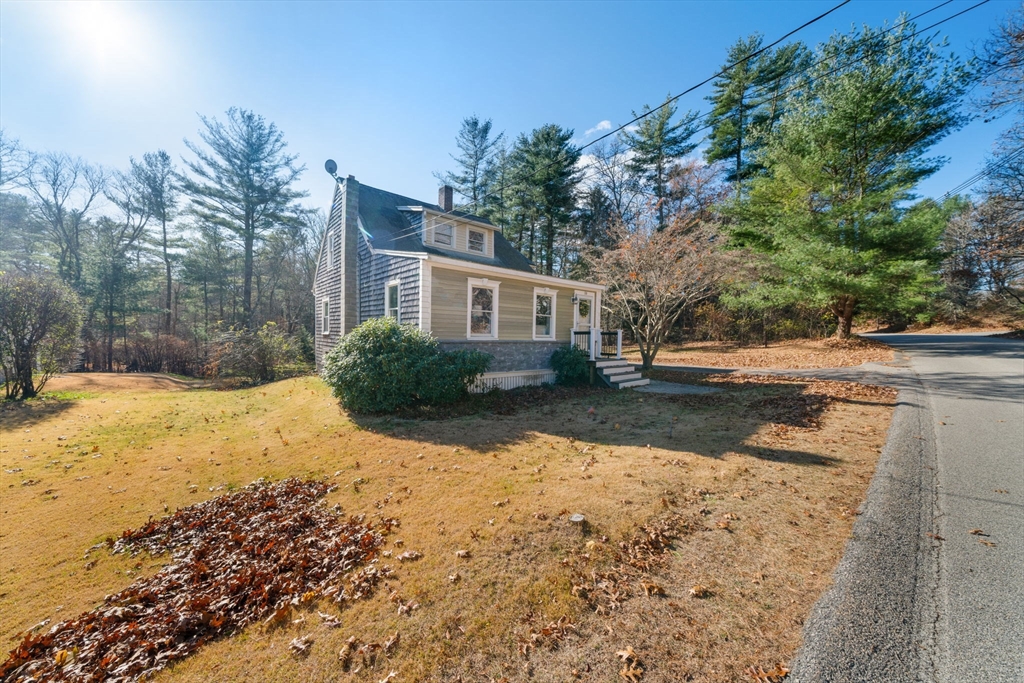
(453, 275)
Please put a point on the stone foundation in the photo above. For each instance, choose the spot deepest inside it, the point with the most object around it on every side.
(509, 356)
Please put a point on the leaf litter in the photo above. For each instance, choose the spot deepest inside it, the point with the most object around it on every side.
(237, 559)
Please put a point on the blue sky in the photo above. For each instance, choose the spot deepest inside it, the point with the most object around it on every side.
(382, 87)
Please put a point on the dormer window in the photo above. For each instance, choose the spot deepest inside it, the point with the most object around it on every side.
(477, 241)
(443, 234)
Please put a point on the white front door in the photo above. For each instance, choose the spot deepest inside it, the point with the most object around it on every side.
(584, 314)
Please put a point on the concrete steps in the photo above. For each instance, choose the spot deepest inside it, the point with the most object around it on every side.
(620, 374)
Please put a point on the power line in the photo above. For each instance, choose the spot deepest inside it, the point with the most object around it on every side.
(988, 170)
(707, 115)
(684, 92)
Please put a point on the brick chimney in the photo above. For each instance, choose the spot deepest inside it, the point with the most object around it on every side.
(444, 198)
(349, 248)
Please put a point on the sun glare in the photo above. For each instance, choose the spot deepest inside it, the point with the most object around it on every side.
(112, 40)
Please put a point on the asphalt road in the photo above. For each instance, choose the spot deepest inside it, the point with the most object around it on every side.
(931, 586)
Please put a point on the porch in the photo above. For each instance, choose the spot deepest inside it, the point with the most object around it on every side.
(604, 350)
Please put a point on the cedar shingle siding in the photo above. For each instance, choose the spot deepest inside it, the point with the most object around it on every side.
(327, 283)
(375, 271)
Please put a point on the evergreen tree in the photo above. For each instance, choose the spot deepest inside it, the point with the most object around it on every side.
(157, 178)
(243, 182)
(475, 160)
(658, 144)
(545, 176)
(747, 102)
(831, 215)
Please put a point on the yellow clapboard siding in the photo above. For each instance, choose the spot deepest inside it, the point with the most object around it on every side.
(449, 292)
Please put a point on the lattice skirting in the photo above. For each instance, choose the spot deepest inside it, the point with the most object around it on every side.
(511, 380)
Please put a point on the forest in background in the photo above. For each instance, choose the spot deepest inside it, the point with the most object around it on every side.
(787, 209)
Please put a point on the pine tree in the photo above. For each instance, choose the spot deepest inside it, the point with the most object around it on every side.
(658, 144)
(832, 215)
(544, 177)
(475, 160)
(243, 182)
(748, 101)
(157, 177)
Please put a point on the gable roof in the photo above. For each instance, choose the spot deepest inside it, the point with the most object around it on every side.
(392, 226)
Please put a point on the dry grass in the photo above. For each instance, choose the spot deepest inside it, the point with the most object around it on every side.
(797, 354)
(757, 483)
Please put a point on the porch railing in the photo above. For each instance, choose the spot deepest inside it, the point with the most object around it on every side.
(597, 343)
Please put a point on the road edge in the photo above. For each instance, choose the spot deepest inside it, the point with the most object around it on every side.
(879, 619)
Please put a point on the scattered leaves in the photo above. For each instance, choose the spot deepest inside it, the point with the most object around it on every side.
(775, 675)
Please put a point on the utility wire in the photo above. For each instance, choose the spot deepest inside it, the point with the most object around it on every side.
(985, 172)
(687, 91)
(707, 115)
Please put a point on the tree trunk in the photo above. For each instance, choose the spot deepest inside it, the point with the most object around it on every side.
(24, 369)
(247, 281)
(108, 363)
(844, 309)
(167, 274)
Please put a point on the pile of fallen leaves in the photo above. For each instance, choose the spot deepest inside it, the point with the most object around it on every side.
(236, 559)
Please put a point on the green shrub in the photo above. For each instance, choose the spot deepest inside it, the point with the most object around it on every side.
(382, 366)
(570, 366)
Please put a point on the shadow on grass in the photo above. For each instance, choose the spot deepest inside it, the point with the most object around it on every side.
(23, 414)
(711, 425)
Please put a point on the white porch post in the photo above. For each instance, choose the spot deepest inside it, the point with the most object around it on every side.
(618, 343)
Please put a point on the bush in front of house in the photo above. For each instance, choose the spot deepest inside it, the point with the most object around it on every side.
(382, 366)
(570, 366)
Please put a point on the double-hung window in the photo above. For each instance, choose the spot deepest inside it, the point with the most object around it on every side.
(443, 233)
(544, 313)
(391, 301)
(477, 241)
(482, 315)
(325, 316)
(332, 245)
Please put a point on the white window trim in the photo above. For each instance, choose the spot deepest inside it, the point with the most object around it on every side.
(469, 248)
(493, 286)
(388, 286)
(332, 243)
(443, 224)
(553, 293)
(325, 317)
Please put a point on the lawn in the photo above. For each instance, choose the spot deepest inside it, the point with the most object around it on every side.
(713, 522)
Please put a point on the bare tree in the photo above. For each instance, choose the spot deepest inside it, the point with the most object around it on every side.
(654, 276)
(1001, 64)
(65, 189)
(15, 162)
(1001, 248)
(609, 171)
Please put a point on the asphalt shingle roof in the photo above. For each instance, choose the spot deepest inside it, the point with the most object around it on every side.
(392, 229)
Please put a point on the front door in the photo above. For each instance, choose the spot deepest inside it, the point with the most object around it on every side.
(584, 315)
